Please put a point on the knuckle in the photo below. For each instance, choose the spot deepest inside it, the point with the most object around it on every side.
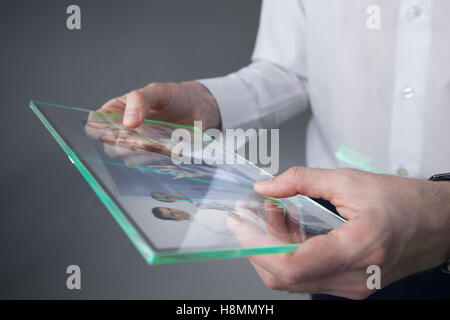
(273, 283)
(161, 92)
(158, 88)
(296, 172)
(134, 93)
(289, 278)
(155, 86)
(346, 178)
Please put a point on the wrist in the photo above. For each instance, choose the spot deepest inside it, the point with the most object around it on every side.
(438, 214)
(427, 228)
(208, 108)
(446, 213)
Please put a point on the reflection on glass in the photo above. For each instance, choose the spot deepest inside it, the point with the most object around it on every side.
(354, 158)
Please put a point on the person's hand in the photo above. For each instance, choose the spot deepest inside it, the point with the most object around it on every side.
(140, 144)
(401, 225)
(181, 103)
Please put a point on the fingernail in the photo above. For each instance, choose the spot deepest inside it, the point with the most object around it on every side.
(131, 118)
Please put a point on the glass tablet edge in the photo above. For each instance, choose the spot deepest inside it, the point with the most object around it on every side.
(174, 257)
(150, 256)
(135, 237)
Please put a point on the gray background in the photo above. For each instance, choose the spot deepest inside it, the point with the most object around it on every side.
(50, 217)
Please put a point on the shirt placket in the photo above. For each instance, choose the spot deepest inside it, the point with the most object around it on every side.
(413, 45)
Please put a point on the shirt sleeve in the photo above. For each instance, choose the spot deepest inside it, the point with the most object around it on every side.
(272, 88)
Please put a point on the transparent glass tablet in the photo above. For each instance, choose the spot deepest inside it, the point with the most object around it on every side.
(172, 211)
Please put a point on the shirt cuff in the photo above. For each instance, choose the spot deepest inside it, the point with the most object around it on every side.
(234, 100)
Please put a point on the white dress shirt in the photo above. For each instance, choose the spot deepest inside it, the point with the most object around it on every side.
(380, 98)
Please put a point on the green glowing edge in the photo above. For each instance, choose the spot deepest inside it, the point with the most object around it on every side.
(150, 256)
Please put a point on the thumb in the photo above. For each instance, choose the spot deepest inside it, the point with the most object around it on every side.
(139, 102)
(315, 183)
(136, 109)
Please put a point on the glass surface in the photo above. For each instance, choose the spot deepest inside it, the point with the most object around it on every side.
(179, 212)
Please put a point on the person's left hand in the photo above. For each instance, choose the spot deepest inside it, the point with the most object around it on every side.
(401, 225)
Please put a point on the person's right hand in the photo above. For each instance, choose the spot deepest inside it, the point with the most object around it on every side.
(400, 225)
(181, 103)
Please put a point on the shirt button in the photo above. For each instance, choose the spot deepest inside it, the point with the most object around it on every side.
(408, 93)
(415, 11)
(402, 172)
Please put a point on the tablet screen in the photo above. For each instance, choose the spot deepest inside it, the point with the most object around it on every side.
(182, 208)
